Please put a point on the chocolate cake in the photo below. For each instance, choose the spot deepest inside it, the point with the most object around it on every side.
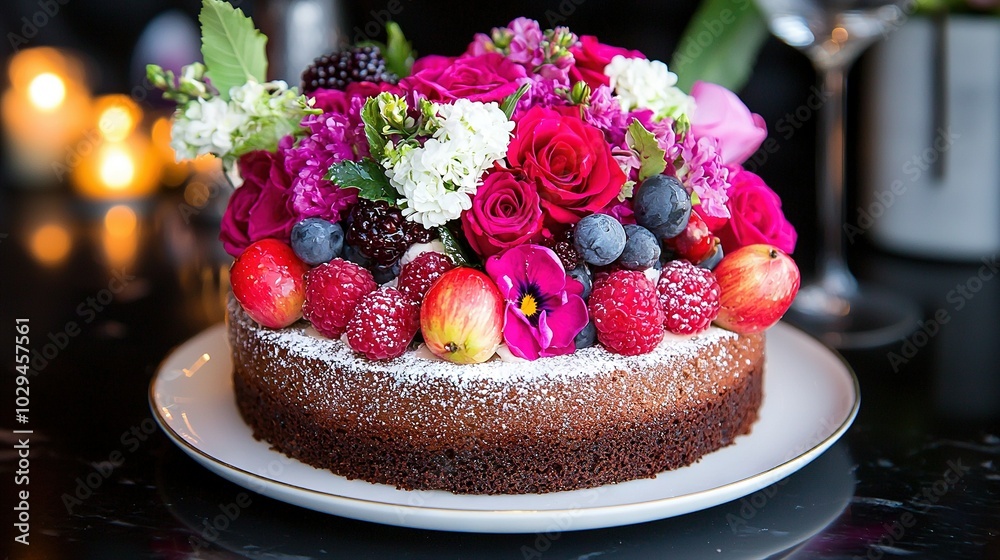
(499, 427)
(535, 266)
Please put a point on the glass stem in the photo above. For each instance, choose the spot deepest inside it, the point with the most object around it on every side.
(832, 270)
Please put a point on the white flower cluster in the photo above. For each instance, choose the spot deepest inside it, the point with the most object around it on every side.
(255, 117)
(437, 180)
(647, 84)
(205, 126)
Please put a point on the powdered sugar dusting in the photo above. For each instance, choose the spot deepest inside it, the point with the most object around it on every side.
(302, 342)
(415, 396)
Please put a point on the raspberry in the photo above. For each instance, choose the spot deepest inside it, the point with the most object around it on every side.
(332, 292)
(338, 69)
(383, 325)
(689, 296)
(381, 232)
(418, 274)
(627, 313)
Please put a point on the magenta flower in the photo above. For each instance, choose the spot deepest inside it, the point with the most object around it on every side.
(544, 309)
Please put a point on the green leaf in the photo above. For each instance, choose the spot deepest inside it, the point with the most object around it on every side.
(509, 103)
(367, 176)
(452, 247)
(233, 49)
(372, 117)
(720, 44)
(398, 51)
(653, 158)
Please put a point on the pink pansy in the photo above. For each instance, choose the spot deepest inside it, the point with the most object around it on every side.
(544, 309)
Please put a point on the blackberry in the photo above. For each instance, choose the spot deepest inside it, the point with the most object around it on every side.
(380, 232)
(337, 69)
(417, 233)
(562, 245)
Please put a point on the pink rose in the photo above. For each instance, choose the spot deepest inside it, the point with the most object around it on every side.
(719, 113)
(756, 215)
(568, 160)
(485, 78)
(505, 212)
(259, 208)
(591, 58)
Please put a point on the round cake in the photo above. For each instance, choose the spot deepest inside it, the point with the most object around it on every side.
(535, 266)
(499, 427)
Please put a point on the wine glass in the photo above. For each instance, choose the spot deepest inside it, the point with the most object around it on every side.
(832, 33)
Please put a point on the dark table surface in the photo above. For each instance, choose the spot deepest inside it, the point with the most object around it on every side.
(917, 476)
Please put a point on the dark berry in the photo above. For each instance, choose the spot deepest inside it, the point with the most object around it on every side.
(662, 206)
(317, 241)
(713, 259)
(338, 69)
(379, 231)
(562, 245)
(641, 250)
(587, 337)
(353, 254)
(582, 275)
(383, 274)
(599, 239)
(417, 233)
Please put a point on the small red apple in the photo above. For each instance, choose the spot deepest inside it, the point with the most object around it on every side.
(758, 285)
(268, 280)
(461, 317)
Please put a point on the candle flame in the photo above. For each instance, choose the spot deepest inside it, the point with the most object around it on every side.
(117, 169)
(47, 91)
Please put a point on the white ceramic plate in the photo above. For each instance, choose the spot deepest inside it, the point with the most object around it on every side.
(810, 399)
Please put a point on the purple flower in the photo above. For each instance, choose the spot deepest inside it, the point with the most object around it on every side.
(332, 138)
(604, 112)
(697, 162)
(526, 43)
(701, 170)
(541, 93)
(544, 310)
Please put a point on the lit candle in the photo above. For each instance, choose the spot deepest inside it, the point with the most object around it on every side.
(45, 111)
(123, 162)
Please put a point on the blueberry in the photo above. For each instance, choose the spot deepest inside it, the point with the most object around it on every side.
(662, 206)
(642, 249)
(582, 275)
(317, 241)
(599, 239)
(713, 259)
(354, 255)
(587, 337)
(383, 274)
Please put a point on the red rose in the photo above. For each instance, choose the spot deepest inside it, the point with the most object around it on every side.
(591, 57)
(485, 78)
(569, 161)
(505, 212)
(259, 208)
(756, 215)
